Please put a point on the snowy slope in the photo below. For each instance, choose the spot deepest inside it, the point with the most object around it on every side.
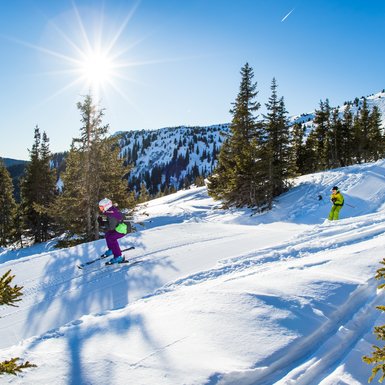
(171, 156)
(221, 297)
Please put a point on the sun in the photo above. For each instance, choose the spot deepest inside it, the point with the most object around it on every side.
(97, 69)
(88, 52)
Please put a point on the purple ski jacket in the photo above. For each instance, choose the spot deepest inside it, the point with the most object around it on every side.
(114, 217)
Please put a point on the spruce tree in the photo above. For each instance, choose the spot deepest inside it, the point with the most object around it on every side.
(346, 155)
(376, 138)
(30, 189)
(311, 155)
(367, 136)
(240, 177)
(221, 182)
(48, 188)
(358, 140)
(297, 152)
(364, 124)
(322, 133)
(9, 295)
(94, 170)
(38, 189)
(7, 207)
(143, 194)
(335, 139)
(277, 143)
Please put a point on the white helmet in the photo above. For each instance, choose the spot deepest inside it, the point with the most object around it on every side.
(105, 204)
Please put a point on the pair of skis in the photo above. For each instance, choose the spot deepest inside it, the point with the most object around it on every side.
(103, 256)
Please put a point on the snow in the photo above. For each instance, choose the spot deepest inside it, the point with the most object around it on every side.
(220, 297)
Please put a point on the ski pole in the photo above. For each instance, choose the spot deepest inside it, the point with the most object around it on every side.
(347, 204)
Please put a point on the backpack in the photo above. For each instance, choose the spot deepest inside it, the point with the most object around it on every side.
(124, 227)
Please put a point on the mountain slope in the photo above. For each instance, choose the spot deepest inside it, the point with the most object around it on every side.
(220, 297)
(175, 157)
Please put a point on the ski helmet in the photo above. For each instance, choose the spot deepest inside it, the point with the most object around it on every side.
(335, 188)
(105, 204)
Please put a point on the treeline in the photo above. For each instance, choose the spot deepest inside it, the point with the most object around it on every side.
(93, 170)
(260, 156)
(339, 139)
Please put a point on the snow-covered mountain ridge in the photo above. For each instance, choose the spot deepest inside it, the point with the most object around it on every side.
(220, 297)
(171, 156)
(176, 156)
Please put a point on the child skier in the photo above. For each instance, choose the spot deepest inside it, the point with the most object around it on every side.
(115, 229)
(338, 201)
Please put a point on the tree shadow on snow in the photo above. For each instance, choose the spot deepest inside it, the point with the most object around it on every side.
(66, 294)
(88, 352)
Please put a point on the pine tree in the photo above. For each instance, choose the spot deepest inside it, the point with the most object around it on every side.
(358, 140)
(38, 188)
(9, 295)
(199, 181)
(378, 355)
(364, 127)
(376, 138)
(7, 207)
(94, 170)
(311, 155)
(143, 194)
(346, 155)
(367, 136)
(240, 177)
(277, 129)
(30, 189)
(220, 183)
(13, 367)
(322, 133)
(297, 153)
(335, 139)
(47, 186)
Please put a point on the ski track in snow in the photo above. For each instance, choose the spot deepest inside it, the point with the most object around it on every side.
(95, 271)
(298, 248)
(41, 292)
(347, 325)
(326, 347)
(306, 361)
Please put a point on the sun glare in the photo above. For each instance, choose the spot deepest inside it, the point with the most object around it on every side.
(90, 50)
(97, 69)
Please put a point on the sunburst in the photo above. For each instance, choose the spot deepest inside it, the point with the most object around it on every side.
(89, 51)
(91, 54)
(97, 69)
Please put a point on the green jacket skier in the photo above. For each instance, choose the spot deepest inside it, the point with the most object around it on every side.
(338, 201)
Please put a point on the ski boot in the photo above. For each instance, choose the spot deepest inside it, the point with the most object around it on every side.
(107, 253)
(118, 259)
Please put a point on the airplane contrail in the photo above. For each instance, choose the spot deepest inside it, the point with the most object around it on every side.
(287, 15)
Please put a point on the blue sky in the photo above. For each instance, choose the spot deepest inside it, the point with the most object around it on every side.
(174, 62)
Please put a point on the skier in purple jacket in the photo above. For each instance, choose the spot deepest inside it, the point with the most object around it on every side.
(115, 229)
